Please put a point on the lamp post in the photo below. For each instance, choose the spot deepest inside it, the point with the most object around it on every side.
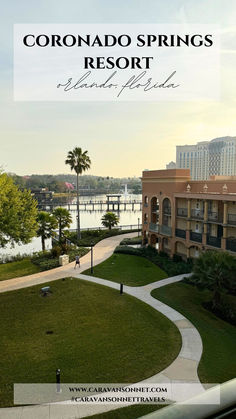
(138, 226)
(58, 380)
(91, 270)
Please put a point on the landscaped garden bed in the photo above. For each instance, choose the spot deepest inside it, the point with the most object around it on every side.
(94, 236)
(131, 241)
(50, 259)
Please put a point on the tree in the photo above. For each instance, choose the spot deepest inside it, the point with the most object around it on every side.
(18, 213)
(78, 161)
(63, 218)
(46, 226)
(215, 271)
(110, 220)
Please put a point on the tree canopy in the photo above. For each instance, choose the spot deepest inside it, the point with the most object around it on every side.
(64, 219)
(79, 161)
(215, 271)
(110, 220)
(18, 213)
(46, 226)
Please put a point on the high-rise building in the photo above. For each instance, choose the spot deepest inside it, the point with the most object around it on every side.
(207, 158)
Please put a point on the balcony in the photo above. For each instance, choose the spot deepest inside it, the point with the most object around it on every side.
(182, 212)
(231, 244)
(161, 229)
(197, 213)
(232, 219)
(214, 216)
(167, 210)
(165, 230)
(180, 233)
(195, 237)
(214, 241)
(154, 227)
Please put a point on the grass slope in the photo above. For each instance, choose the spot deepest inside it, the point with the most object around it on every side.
(128, 270)
(218, 336)
(98, 336)
(15, 269)
(131, 412)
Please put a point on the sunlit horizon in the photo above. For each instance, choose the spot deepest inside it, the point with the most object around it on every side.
(122, 139)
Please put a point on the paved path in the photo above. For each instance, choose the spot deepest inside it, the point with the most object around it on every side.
(182, 369)
(101, 251)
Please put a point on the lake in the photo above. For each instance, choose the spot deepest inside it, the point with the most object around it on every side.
(88, 219)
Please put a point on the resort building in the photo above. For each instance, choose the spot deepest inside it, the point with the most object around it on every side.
(208, 158)
(184, 217)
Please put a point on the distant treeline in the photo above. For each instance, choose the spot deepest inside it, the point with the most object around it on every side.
(93, 184)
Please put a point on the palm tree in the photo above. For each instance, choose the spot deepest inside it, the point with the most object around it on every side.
(78, 161)
(46, 225)
(63, 218)
(215, 271)
(110, 220)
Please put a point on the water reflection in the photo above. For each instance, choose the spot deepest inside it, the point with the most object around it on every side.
(88, 219)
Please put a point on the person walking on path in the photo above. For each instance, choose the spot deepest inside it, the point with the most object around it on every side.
(77, 261)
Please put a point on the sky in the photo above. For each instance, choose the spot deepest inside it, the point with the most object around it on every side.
(122, 138)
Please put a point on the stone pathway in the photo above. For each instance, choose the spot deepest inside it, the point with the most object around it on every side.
(183, 368)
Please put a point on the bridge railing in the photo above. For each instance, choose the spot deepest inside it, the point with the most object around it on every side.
(55, 238)
(119, 227)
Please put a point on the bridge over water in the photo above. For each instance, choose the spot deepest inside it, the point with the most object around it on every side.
(112, 203)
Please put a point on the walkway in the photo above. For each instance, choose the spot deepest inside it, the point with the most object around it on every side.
(101, 251)
(183, 368)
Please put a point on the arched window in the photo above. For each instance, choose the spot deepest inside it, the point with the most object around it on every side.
(166, 206)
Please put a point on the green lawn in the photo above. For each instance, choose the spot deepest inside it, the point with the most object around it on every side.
(89, 322)
(218, 336)
(15, 269)
(131, 412)
(128, 270)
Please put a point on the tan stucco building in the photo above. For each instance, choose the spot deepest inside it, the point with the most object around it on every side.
(185, 216)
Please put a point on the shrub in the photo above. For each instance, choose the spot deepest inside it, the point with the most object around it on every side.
(127, 250)
(88, 236)
(226, 310)
(215, 271)
(45, 265)
(50, 259)
(56, 251)
(13, 258)
(163, 254)
(177, 258)
(74, 251)
(135, 240)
